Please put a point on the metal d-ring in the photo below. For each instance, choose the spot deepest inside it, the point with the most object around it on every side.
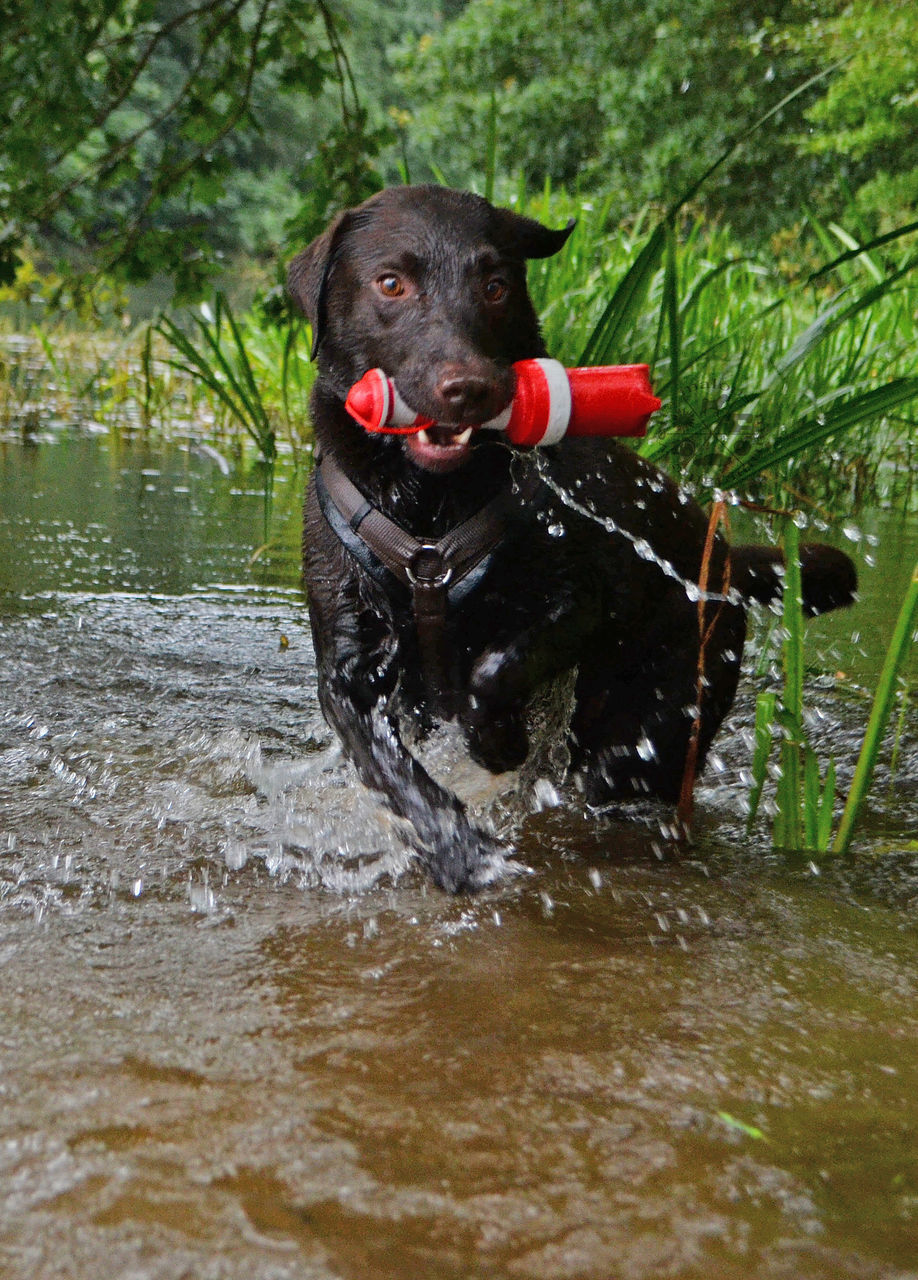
(413, 567)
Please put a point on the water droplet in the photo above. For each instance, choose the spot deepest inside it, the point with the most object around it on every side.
(235, 855)
(556, 530)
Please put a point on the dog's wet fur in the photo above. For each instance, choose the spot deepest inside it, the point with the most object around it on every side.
(430, 285)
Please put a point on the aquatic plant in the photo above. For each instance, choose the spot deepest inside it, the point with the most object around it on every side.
(899, 646)
(804, 800)
(256, 371)
(769, 384)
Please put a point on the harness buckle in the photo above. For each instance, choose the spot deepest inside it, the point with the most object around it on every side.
(426, 567)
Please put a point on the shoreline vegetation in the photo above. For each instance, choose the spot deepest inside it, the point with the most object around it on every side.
(778, 380)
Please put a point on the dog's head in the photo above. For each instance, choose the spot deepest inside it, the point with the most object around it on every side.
(428, 284)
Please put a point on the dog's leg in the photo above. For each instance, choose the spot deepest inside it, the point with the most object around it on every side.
(357, 661)
(633, 719)
(507, 674)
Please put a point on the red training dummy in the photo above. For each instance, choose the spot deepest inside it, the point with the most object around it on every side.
(549, 403)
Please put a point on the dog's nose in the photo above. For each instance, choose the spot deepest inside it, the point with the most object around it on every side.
(465, 394)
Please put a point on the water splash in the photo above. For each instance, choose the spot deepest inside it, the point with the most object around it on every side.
(642, 548)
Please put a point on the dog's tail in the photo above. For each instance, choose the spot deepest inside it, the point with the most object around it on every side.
(828, 576)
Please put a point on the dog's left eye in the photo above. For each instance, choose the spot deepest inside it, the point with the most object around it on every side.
(496, 289)
(390, 286)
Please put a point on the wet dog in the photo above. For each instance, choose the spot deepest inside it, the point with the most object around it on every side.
(451, 575)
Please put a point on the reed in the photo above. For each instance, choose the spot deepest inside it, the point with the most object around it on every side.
(804, 800)
(220, 359)
(899, 647)
(768, 385)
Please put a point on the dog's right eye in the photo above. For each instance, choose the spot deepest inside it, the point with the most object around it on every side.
(390, 286)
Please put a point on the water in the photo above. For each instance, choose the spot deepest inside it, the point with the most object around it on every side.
(241, 1036)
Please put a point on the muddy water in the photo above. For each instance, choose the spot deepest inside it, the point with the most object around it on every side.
(239, 1037)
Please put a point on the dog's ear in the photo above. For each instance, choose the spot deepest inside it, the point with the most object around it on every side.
(525, 238)
(307, 276)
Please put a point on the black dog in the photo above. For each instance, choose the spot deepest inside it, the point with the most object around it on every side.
(451, 575)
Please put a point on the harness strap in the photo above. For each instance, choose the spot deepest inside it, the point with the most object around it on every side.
(433, 571)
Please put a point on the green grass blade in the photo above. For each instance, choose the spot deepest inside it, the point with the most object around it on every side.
(812, 431)
(878, 243)
(195, 364)
(671, 310)
(899, 646)
(900, 725)
(210, 363)
(260, 422)
(765, 705)
(837, 314)
(604, 344)
(810, 798)
(855, 249)
(826, 810)
(790, 786)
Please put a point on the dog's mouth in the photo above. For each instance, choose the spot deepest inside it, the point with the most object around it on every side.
(440, 447)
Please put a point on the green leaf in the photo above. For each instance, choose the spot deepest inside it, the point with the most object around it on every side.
(605, 343)
(741, 1126)
(854, 411)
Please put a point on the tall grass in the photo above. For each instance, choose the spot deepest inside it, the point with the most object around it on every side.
(256, 372)
(804, 801)
(773, 385)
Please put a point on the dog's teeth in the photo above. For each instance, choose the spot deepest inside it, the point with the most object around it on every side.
(465, 436)
(423, 436)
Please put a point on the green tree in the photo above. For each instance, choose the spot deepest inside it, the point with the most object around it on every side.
(632, 97)
(867, 119)
(122, 122)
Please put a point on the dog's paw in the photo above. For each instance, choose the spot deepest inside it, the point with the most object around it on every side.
(467, 859)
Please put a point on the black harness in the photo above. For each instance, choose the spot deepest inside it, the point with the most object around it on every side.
(438, 574)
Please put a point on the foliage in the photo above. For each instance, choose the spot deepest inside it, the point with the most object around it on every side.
(123, 119)
(631, 100)
(163, 137)
(868, 114)
(769, 385)
(804, 803)
(255, 372)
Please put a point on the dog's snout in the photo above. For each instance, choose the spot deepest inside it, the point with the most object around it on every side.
(466, 393)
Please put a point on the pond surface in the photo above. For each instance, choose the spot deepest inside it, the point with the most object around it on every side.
(241, 1037)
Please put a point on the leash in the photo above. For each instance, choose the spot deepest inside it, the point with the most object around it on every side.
(436, 573)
